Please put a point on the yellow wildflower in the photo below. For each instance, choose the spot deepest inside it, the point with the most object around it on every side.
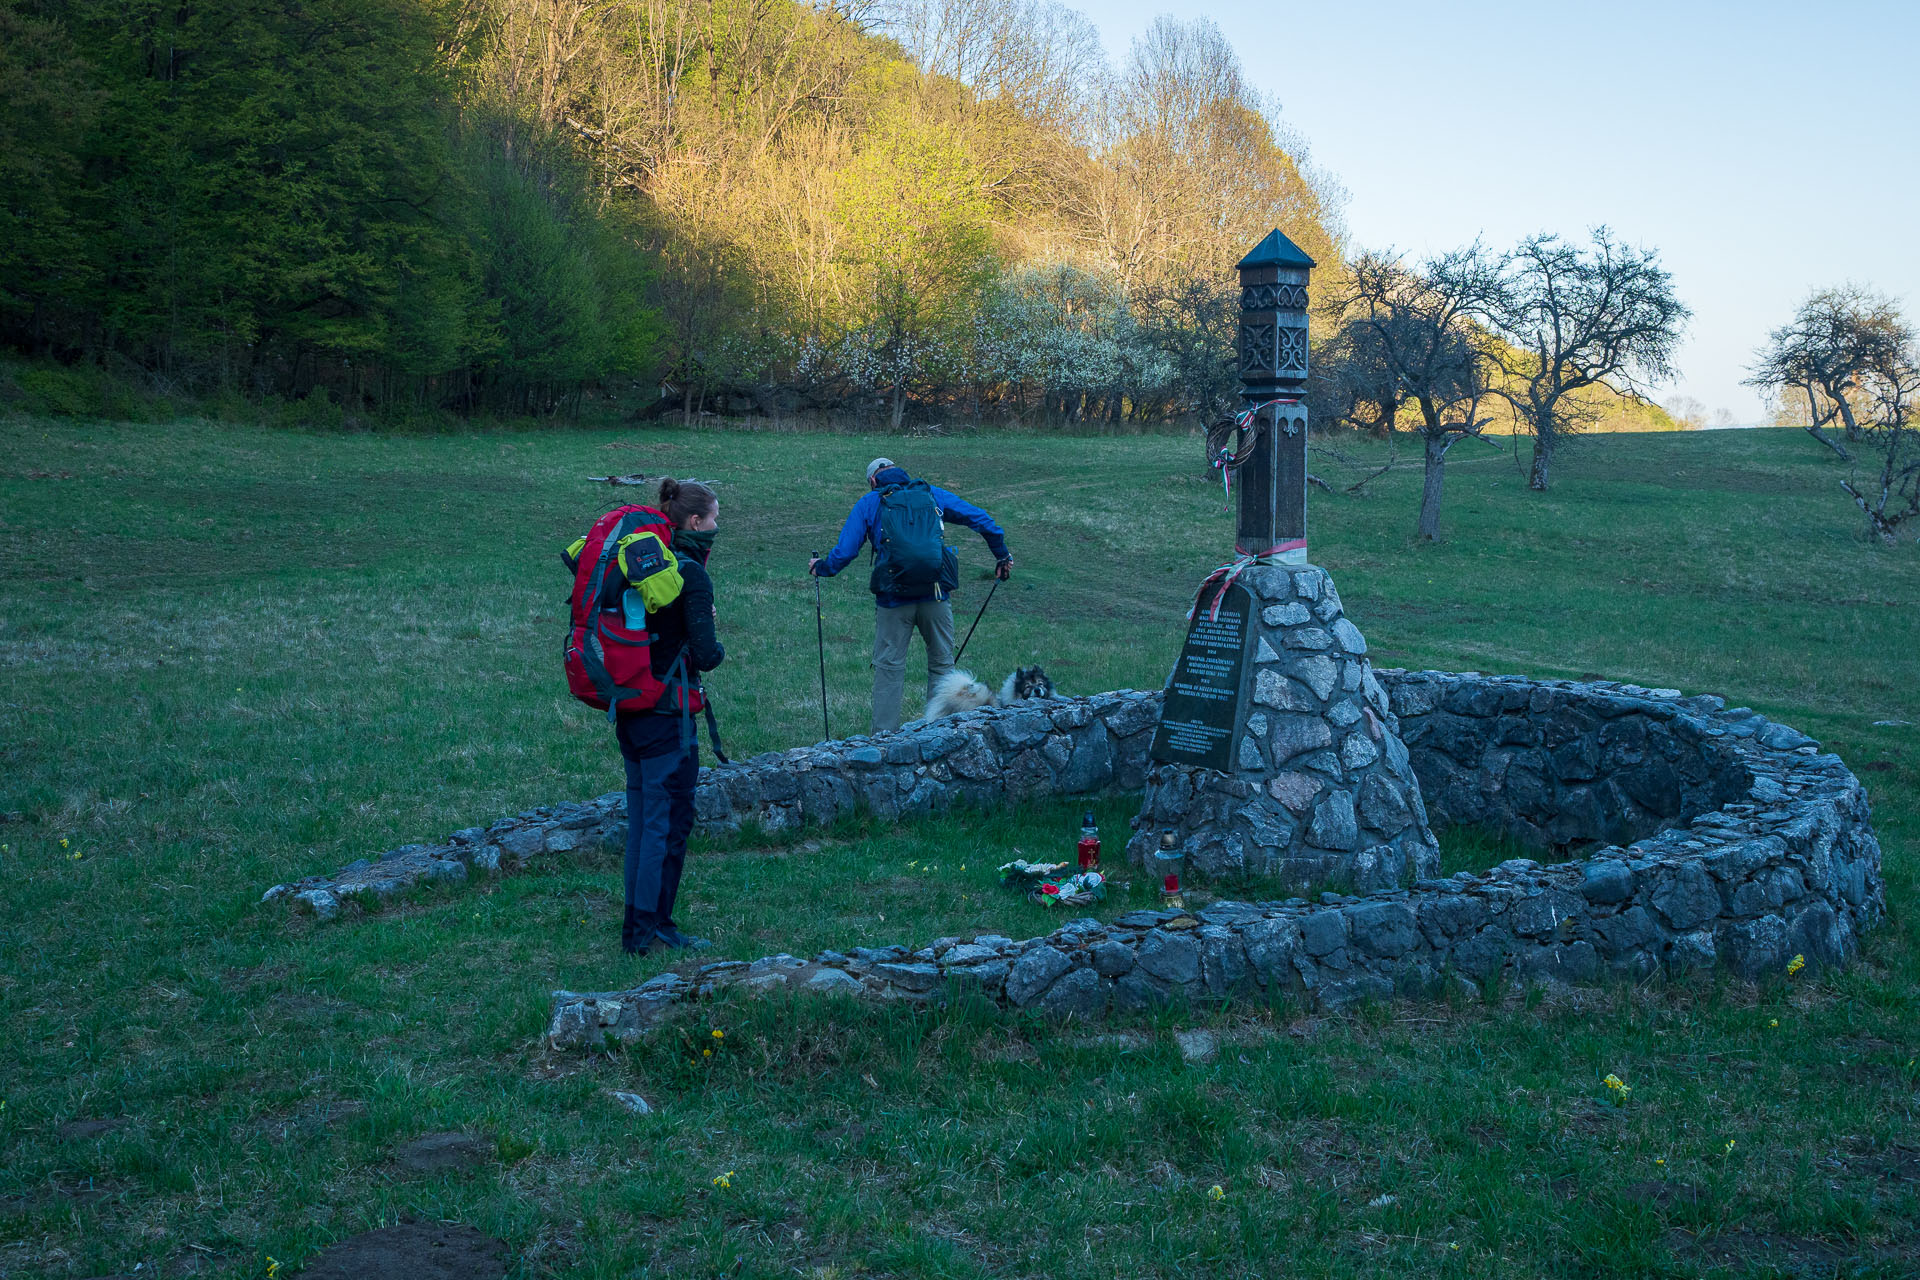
(63, 842)
(1730, 1142)
(718, 1034)
(273, 1267)
(1795, 965)
(1659, 1159)
(706, 1053)
(724, 1180)
(1214, 1192)
(1773, 1022)
(1620, 1087)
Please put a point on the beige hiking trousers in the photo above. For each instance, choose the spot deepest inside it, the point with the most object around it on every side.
(892, 632)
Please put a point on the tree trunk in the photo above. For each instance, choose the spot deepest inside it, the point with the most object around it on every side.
(899, 403)
(1435, 483)
(1846, 416)
(1813, 429)
(1539, 477)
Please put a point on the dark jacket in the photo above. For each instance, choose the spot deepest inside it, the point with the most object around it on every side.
(863, 526)
(687, 623)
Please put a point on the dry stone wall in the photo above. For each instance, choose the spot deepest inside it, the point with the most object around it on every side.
(1773, 856)
(986, 758)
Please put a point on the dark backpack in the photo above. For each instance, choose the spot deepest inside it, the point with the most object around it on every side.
(911, 555)
(609, 662)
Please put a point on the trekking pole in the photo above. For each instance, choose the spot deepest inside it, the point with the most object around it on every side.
(976, 618)
(820, 630)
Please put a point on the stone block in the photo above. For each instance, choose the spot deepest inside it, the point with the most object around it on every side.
(1079, 993)
(831, 980)
(1033, 973)
(1542, 914)
(1484, 953)
(1383, 804)
(1271, 689)
(1446, 918)
(1111, 959)
(1223, 961)
(1090, 765)
(1686, 896)
(1171, 957)
(1754, 948)
(1606, 881)
(1313, 638)
(1631, 930)
(1357, 752)
(1384, 929)
(1271, 946)
(1291, 614)
(1292, 735)
(1688, 952)
(1323, 932)
(1348, 636)
(1334, 826)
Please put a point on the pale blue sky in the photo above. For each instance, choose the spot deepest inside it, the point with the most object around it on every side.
(1763, 148)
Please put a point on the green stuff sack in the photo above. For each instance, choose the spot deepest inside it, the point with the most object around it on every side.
(650, 568)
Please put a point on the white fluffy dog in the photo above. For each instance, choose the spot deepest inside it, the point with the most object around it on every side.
(958, 691)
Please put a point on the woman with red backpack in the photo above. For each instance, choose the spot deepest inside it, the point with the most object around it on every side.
(642, 634)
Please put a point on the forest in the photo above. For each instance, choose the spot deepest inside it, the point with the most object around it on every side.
(751, 205)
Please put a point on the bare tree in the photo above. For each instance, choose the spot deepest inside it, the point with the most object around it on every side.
(1580, 318)
(1889, 394)
(1832, 343)
(1037, 55)
(1350, 381)
(1422, 322)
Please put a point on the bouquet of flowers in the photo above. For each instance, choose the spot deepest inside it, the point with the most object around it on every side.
(1082, 890)
(1021, 874)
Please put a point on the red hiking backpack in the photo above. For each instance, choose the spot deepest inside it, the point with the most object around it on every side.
(610, 661)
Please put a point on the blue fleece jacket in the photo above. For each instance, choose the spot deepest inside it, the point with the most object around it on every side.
(863, 526)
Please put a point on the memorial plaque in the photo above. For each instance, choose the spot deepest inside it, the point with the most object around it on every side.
(1200, 719)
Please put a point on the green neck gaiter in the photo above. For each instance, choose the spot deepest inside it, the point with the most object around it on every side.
(697, 543)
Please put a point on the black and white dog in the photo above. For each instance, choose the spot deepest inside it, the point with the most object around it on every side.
(958, 691)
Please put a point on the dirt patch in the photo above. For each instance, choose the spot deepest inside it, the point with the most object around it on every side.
(442, 1152)
(1895, 1164)
(411, 1251)
(849, 1135)
(311, 1120)
(1771, 1252)
(81, 1130)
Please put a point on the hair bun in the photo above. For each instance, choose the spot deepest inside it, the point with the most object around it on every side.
(669, 489)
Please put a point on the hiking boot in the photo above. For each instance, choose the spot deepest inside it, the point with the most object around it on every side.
(672, 937)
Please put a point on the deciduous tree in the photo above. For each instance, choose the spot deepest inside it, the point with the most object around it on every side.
(1835, 341)
(1420, 323)
(1576, 318)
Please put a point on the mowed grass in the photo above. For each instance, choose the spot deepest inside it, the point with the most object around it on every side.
(229, 658)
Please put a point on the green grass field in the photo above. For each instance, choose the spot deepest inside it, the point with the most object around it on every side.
(233, 657)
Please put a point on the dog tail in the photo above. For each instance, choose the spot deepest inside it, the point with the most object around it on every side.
(955, 692)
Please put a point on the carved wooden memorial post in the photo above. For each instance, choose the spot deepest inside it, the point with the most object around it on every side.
(1277, 752)
(1273, 384)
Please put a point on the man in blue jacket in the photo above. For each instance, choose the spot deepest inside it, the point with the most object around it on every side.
(900, 613)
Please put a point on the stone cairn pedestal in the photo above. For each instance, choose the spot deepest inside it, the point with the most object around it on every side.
(1319, 791)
